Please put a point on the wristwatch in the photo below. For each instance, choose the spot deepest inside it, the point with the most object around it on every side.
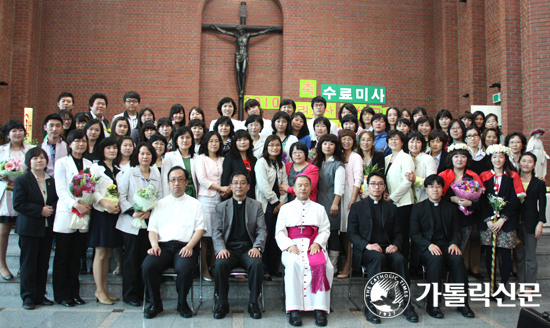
(260, 249)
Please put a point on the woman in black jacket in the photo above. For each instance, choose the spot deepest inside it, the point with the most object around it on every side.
(240, 159)
(35, 199)
(532, 217)
(501, 181)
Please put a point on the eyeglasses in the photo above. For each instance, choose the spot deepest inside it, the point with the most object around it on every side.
(174, 180)
(471, 136)
(297, 152)
(435, 186)
(132, 101)
(377, 184)
(239, 183)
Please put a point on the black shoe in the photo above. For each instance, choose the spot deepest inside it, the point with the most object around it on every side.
(28, 306)
(295, 318)
(221, 311)
(371, 317)
(410, 314)
(254, 310)
(8, 277)
(478, 275)
(268, 278)
(134, 303)
(435, 312)
(185, 310)
(320, 318)
(45, 301)
(152, 311)
(466, 311)
(79, 301)
(67, 303)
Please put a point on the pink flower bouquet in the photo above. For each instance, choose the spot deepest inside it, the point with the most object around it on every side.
(82, 188)
(467, 189)
(11, 169)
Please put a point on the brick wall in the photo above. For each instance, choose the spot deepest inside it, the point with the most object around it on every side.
(7, 18)
(425, 52)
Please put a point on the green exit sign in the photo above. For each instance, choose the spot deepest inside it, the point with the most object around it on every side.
(496, 98)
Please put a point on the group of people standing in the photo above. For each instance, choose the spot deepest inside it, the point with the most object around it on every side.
(262, 193)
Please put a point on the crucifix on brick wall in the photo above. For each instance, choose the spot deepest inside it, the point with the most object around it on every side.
(242, 38)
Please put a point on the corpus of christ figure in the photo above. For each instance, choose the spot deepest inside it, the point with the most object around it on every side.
(241, 55)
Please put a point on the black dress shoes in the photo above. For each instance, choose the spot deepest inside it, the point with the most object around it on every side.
(254, 310)
(320, 318)
(67, 303)
(152, 311)
(371, 317)
(410, 314)
(478, 275)
(134, 303)
(221, 311)
(435, 312)
(466, 311)
(185, 310)
(45, 301)
(295, 318)
(268, 278)
(28, 306)
(79, 301)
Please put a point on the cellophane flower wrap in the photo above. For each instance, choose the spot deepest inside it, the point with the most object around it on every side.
(112, 194)
(144, 200)
(467, 189)
(82, 188)
(11, 169)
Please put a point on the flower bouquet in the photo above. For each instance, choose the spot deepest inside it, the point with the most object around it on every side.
(366, 171)
(467, 189)
(311, 155)
(286, 158)
(144, 200)
(11, 170)
(497, 203)
(82, 187)
(112, 194)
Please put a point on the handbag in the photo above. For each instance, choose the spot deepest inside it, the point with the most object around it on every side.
(529, 318)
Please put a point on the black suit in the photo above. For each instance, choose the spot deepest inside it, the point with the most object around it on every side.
(422, 233)
(442, 162)
(221, 235)
(360, 227)
(35, 238)
(232, 165)
(533, 208)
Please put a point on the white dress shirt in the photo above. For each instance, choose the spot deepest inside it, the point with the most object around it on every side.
(176, 218)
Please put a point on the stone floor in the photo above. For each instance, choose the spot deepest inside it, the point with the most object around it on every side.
(121, 315)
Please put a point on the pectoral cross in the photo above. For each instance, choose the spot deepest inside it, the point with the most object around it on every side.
(302, 229)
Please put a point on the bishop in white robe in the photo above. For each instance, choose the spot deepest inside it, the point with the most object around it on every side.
(302, 233)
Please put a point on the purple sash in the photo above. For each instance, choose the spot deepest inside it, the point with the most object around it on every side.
(317, 262)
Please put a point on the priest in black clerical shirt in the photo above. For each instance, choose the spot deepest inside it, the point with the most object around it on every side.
(238, 235)
(374, 232)
(435, 229)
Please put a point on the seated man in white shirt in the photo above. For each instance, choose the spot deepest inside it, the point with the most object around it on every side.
(302, 233)
(175, 228)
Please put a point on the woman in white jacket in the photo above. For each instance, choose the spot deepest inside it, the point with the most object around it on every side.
(15, 132)
(424, 165)
(270, 174)
(398, 164)
(183, 155)
(70, 243)
(103, 235)
(142, 174)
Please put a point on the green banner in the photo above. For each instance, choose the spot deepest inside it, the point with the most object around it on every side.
(354, 93)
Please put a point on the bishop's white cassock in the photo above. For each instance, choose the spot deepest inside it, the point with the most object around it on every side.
(298, 277)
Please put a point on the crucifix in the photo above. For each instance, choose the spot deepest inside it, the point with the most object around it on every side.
(242, 39)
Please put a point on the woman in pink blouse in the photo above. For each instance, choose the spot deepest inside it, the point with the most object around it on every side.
(209, 168)
(300, 166)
